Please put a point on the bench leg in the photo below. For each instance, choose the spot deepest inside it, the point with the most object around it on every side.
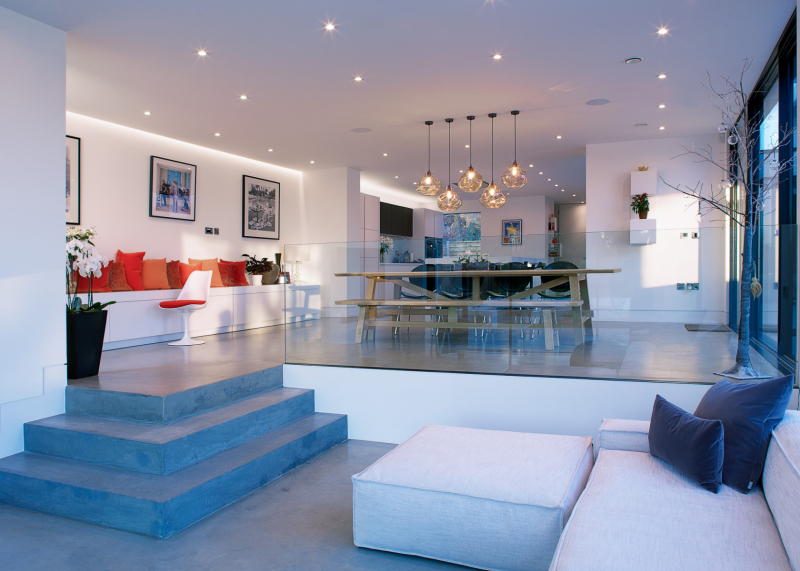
(577, 325)
(362, 315)
(548, 329)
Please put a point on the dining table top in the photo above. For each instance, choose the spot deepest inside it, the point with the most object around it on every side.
(480, 273)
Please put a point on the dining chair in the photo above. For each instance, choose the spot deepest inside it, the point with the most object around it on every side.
(193, 297)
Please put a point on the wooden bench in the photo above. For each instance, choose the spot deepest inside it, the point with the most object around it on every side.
(368, 314)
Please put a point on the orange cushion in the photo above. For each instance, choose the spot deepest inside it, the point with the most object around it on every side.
(116, 277)
(100, 284)
(176, 303)
(232, 273)
(213, 265)
(133, 269)
(174, 275)
(186, 269)
(154, 274)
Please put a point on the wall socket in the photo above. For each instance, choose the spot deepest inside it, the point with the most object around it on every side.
(693, 286)
(681, 287)
(695, 235)
(212, 230)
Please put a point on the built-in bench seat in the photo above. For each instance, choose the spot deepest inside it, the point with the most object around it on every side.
(136, 318)
(368, 315)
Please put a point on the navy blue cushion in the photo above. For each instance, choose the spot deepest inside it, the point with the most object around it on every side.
(749, 412)
(692, 445)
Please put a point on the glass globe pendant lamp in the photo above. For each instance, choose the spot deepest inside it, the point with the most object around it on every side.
(429, 185)
(471, 180)
(515, 176)
(448, 201)
(492, 197)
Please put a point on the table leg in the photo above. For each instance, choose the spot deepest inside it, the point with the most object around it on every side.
(476, 287)
(577, 325)
(452, 314)
(362, 315)
(586, 307)
(372, 312)
(547, 315)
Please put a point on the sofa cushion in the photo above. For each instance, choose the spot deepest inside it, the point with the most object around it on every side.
(116, 277)
(99, 284)
(483, 498)
(133, 269)
(749, 412)
(154, 274)
(694, 446)
(233, 273)
(782, 482)
(211, 264)
(638, 512)
(174, 275)
(186, 269)
(622, 434)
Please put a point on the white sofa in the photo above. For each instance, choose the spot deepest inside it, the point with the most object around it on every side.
(637, 512)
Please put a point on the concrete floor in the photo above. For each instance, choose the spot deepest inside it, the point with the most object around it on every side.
(302, 521)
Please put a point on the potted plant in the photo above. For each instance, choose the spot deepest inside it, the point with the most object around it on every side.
(86, 322)
(263, 267)
(481, 261)
(386, 245)
(640, 205)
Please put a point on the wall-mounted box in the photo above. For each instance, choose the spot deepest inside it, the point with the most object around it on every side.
(643, 232)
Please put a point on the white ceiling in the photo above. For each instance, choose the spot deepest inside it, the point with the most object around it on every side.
(420, 59)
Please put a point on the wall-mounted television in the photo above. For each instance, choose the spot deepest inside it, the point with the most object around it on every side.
(396, 220)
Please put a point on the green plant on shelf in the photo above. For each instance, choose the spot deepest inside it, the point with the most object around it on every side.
(640, 203)
(257, 267)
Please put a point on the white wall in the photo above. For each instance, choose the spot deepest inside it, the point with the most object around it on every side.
(571, 228)
(393, 405)
(532, 210)
(646, 289)
(32, 284)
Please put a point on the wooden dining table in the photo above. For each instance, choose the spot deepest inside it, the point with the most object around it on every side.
(576, 278)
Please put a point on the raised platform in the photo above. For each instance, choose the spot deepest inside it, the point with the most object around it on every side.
(157, 463)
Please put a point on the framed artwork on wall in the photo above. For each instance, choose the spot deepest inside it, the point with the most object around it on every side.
(261, 208)
(512, 232)
(73, 181)
(172, 189)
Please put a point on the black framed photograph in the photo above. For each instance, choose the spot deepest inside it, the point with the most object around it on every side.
(512, 232)
(172, 189)
(261, 208)
(73, 181)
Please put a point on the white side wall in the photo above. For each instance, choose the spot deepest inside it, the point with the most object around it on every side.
(532, 210)
(391, 405)
(646, 289)
(32, 284)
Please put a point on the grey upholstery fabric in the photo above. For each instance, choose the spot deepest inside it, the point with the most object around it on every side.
(781, 482)
(487, 499)
(638, 513)
(617, 434)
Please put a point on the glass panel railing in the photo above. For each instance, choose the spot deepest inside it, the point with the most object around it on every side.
(643, 305)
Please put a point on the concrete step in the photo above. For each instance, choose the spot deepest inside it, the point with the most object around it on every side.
(169, 408)
(159, 449)
(161, 505)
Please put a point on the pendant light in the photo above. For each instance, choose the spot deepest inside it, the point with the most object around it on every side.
(470, 181)
(448, 201)
(515, 177)
(492, 197)
(429, 185)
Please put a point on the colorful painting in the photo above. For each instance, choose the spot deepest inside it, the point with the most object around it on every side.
(73, 180)
(462, 227)
(261, 208)
(172, 189)
(512, 232)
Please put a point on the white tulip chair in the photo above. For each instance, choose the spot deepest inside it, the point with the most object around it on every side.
(193, 297)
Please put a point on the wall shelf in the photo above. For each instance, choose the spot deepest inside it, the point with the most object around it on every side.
(643, 232)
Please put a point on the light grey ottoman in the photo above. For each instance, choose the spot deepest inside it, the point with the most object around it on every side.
(483, 498)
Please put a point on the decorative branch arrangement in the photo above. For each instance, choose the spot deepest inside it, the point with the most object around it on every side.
(753, 172)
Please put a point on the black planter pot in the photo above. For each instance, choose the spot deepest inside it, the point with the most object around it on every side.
(85, 332)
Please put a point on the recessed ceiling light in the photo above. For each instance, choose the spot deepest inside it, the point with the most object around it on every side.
(312, 162)
(661, 128)
(330, 27)
(598, 102)
(415, 182)
(466, 146)
(216, 134)
(243, 97)
(549, 179)
(147, 112)
(358, 78)
(361, 130)
(531, 166)
(461, 171)
(385, 154)
(556, 185)
(562, 190)
(663, 31)
(497, 56)
(269, 150)
(202, 53)
(574, 195)
(662, 76)
(633, 60)
(640, 125)
(395, 176)
(661, 106)
(558, 136)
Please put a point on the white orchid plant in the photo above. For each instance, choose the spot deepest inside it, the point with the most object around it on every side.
(386, 244)
(83, 259)
(467, 257)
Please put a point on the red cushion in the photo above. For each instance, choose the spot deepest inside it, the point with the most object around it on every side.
(133, 269)
(180, 303)
(174, 275)
(185, 271)
(99, 285)
(116, 277)
(232, 273)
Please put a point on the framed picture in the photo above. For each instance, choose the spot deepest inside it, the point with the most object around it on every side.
(261, 208)
(172, 189)
(512, 232)
(73, 181)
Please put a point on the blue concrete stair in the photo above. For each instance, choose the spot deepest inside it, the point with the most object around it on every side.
(159, 449)
(157, 464)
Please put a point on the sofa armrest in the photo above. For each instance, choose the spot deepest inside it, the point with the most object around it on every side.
(617, 434)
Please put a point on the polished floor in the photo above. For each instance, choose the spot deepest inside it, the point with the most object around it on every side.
(302, 521)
